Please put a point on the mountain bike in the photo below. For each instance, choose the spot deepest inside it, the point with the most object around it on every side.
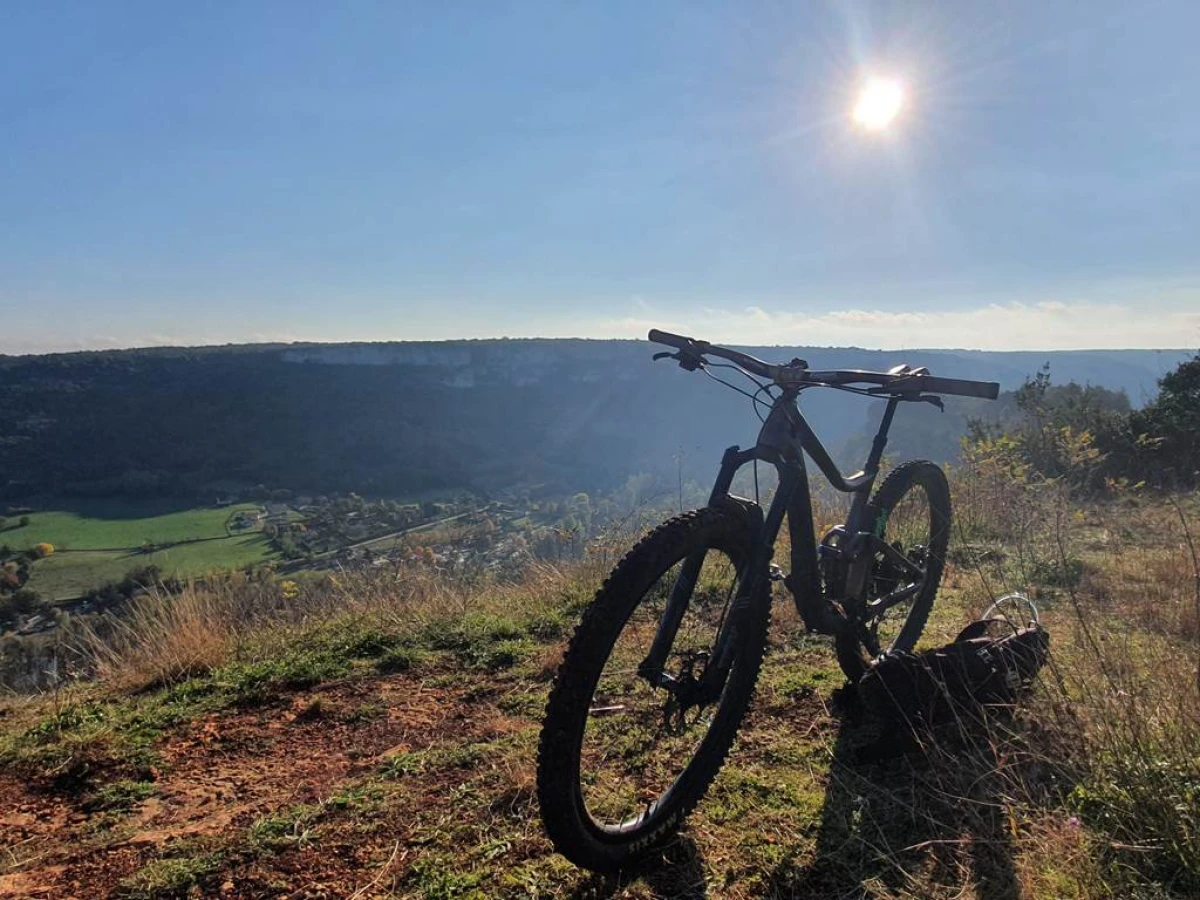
(656, 679)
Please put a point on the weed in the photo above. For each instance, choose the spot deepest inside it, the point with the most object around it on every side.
(437, 879)
(462, 634)
(69, 749)
(401, 764)
(372, 643)
(397, 659)
(463, 757)
(120, 796)
(311, 710)
(484, 641)
(301, 668)
(359, 797)
(500, 655)
(367, 712)
(295, 827)
(163, 879)
(1057, 573)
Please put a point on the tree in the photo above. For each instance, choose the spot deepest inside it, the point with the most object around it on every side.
(24, 520)
(1090, 437)
(1170, 424)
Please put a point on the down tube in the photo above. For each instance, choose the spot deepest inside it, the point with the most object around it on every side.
(805, 579)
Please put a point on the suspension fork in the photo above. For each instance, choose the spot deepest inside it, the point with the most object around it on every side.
(652, 667)
(728, 641)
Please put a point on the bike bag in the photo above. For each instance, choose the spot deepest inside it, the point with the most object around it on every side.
(974, 670)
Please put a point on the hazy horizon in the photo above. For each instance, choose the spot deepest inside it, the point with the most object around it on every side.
(649, 346)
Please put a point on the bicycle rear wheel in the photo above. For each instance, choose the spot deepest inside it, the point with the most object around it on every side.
(621, 761)
(910, 511)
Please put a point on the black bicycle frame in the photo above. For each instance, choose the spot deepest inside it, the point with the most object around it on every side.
(783, 441)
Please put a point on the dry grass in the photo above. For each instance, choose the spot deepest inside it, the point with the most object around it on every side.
(162, 639)
(1122, 697)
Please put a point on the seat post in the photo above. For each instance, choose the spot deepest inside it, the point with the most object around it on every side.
(880, 442)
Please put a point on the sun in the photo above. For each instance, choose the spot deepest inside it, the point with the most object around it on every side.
(879, 102)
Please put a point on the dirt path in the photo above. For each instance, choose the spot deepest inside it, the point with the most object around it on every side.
(221, 775)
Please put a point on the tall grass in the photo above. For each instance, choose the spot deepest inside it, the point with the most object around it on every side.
(1119, 708)
(164, 638)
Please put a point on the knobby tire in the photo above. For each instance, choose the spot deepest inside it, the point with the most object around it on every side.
(567, 821)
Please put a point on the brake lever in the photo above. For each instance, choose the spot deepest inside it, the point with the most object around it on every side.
(689, 362)
(934, 399)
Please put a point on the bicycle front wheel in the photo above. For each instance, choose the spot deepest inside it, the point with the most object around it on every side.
(623, 760)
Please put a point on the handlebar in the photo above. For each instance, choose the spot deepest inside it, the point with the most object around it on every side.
(691, 354)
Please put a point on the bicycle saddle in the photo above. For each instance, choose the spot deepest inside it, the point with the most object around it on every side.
(906, 369)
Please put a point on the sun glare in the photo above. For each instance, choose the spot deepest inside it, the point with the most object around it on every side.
(878, 104)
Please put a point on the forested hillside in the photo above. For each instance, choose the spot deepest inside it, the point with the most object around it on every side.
(414, 417)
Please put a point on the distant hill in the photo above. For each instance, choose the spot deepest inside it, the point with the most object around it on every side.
(400, 418)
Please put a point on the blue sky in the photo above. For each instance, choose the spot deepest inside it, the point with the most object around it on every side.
(205, 173)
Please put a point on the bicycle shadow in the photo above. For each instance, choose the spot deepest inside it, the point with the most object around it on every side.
(906, 814)
(912, 816)
(675, 874)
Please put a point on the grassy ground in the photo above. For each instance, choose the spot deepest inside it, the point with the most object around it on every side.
(110, 527)
(101, 544)
(409, 773)
(376, 738)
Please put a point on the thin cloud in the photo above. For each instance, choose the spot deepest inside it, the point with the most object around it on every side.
(1049, 325)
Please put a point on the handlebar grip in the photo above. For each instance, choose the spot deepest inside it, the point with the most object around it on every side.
(678, 341)
(987, 390)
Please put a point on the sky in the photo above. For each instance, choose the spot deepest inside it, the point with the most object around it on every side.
(241, 172)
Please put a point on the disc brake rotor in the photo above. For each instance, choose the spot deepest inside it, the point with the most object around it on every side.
(684, 694)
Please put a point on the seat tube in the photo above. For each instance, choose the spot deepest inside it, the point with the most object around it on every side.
(855, 521)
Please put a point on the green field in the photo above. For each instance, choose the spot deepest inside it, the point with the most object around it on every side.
(98, 545)
(119, 526)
